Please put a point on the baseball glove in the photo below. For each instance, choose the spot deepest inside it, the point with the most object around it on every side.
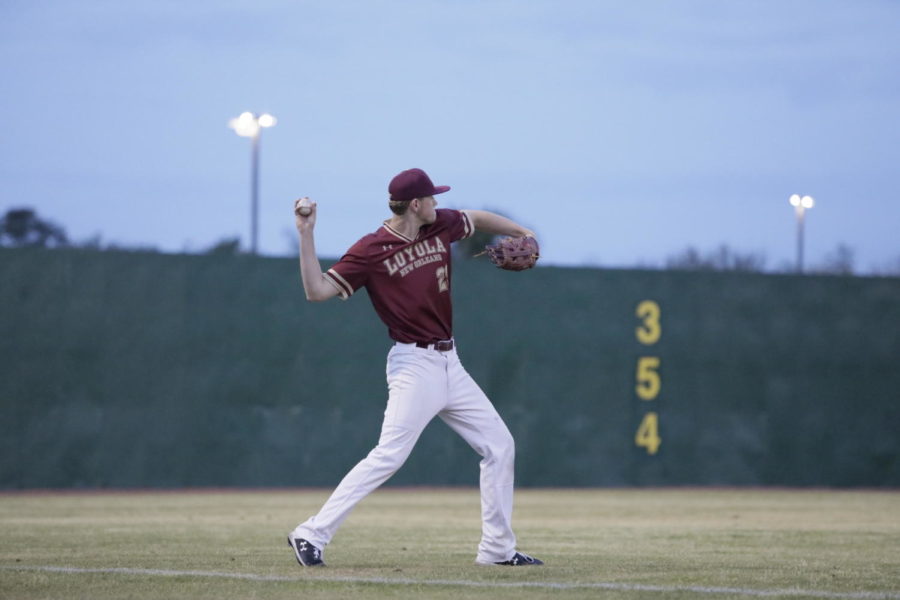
(514, 254)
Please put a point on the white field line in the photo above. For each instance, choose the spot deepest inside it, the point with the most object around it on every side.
(549, 585)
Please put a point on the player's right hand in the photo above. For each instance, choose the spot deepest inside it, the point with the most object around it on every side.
(304, 222)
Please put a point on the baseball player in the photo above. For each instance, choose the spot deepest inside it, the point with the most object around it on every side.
(405, 267)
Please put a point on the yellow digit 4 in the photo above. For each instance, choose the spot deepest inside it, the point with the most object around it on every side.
(647, 435)
(648, 381)
(649, 330)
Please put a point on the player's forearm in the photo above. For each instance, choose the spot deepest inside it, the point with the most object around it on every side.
(497, 224)
(314, 284)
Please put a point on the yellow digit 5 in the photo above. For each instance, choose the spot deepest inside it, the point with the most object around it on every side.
(649, 331)
(648, 381)
(647, 435)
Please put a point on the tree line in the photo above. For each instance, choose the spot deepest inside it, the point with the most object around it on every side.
(24, 228)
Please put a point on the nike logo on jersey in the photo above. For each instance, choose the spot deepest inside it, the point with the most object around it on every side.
(415, 256)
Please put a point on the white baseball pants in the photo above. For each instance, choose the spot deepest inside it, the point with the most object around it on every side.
(423, 383)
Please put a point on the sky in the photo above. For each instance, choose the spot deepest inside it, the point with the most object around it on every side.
(621, 132)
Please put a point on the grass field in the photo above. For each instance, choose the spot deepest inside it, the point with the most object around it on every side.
(420, 543)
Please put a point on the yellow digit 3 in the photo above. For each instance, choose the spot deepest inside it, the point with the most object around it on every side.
(649, 330)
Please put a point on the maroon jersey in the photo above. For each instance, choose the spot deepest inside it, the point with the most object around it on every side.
(408, 280)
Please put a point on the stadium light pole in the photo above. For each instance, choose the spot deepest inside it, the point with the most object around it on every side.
(801, 204)
(251, 125)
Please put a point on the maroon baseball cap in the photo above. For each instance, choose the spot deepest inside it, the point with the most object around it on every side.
(414, 183)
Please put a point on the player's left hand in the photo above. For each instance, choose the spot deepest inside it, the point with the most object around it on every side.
(514, 253)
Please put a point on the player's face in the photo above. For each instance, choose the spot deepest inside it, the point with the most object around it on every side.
(426, 209)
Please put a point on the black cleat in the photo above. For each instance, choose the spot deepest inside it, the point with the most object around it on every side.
(307, 554)
(520, 559)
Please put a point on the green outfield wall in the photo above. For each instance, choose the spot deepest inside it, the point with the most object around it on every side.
(149, 370)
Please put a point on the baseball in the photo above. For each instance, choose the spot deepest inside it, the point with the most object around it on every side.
(303, 207)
